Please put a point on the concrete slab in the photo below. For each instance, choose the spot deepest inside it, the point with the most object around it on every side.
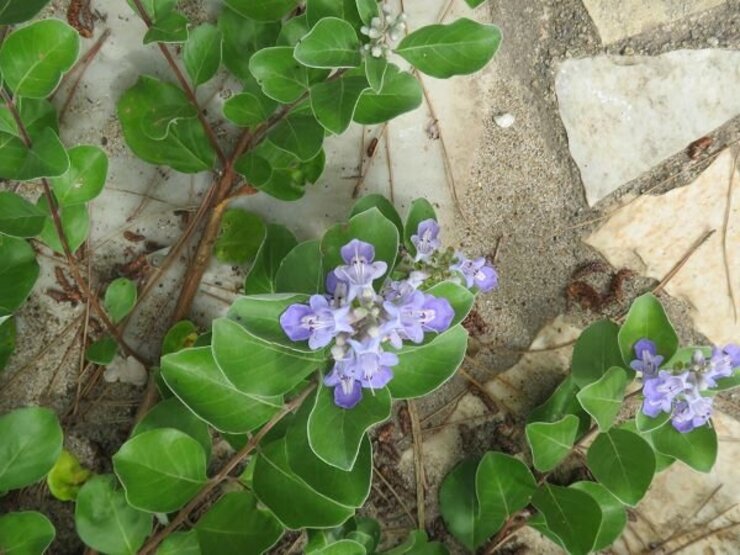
(651, 234)
(619, 19)
(624, 115)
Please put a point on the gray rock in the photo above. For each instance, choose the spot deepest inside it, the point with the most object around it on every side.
(624, 115)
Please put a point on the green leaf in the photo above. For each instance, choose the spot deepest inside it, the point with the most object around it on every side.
(347, 10)
(7, 339)
(697, 448)
(242, 234)
(551, 442)
(18, 217)
(421, 209)
(85, 178)
(347, 488)
(155, 9)
(418, 544)
(595, 352)
(75, 224)
(171, 413)
(300, 135)
(18, 11)
(30, 444)
(341, 547)
(171, 28)
(180, 336)
(613, 515)
(476, 498)
(293, 30)
(260, 315)
(258, 367)
(334, 102)
(45, 158)
(202, 53)
(661, 461)
(624, 463)
(34, 58)
(290, 499)
(249, 108)
(646, 423)
(236, 525)
(646, 319)
(120, 298)
(563, 401)
(367, 10)
(369, 226)
(400, 93)
(66, 477)
(730, 382)
(459, 48)
(242, 37)
(25, 533)
(385, 206)
(151, 108)
(279, 173)
(331, 43)
(279, 241)
(194, 378)
(602, 399)
(180, 543)
(423, 368)
(161, 470)
(36, 114)
(572, 515)
(301, 270)
(106, 522)
(341, 447)
(18, 273)
(264, 10)
(375, 70)
(102, 351)
(281, 77)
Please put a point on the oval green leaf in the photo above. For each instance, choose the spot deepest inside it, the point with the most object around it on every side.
(202, 53)
(34, 58)
(106, 522)
(647, 319)
(697, 448)
(18, 217)
(613, 514)
(603, 398)
(160, 470)
(85, 178)
(120, 298)
(624, 463)
(30, 444)
(18, 273)
(551, 442)
(459, 48)
(595, 352)
(25, 533)
(571, 515)
(400, 93)
(331, 43)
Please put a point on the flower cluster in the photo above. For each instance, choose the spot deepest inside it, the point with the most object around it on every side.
(365, 327)
(383, 30)
(678, 392)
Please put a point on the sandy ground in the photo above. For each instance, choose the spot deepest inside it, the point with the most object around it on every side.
(521, 200)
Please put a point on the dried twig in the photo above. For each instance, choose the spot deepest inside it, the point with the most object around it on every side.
(725, 227)
(418, 442)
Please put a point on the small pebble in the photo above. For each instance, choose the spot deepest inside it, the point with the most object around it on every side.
(713, 41)
(504, 120)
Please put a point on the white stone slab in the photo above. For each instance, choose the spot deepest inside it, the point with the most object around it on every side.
(651, 234)
(624, 115)
(619, 19)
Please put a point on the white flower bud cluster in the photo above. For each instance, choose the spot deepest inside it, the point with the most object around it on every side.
(382, 31)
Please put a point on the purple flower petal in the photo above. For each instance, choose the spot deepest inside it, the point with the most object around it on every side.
(426, 239)
(291, 322)
(347, 394)
(438, 313)
(486, 279)
(357, 250)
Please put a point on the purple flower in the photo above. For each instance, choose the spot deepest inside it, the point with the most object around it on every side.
(648, 361)
(360, 270)
(396, 290)
(660, 392)
(419, 313)
(692, 412)
(347, 389)
(337, 289)
(719, 366)
(476, 272)
(426, 239)
(318, 322)
(733, 351)
(372, 365)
